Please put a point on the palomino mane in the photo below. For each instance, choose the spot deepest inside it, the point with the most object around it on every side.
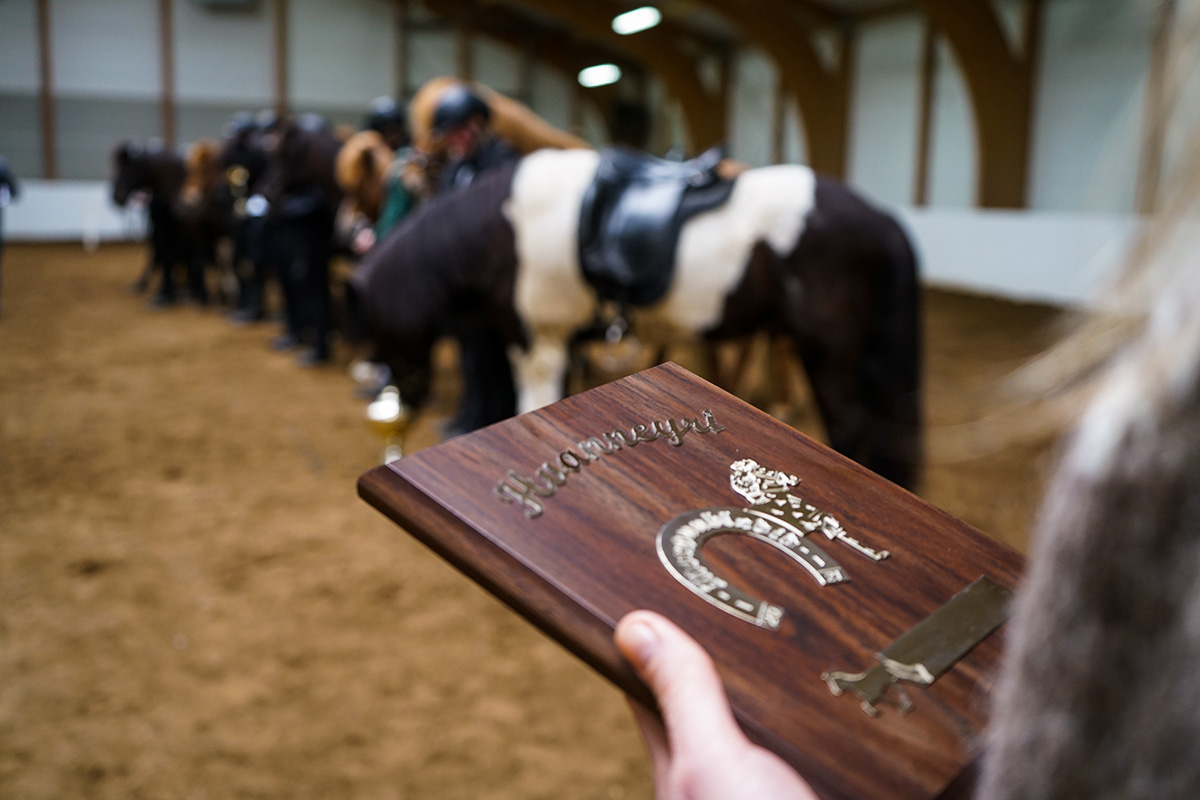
(201, 165)
(360, 168)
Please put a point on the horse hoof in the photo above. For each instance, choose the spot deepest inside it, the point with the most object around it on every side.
(245, 316)
(285, 342)
(312, 358)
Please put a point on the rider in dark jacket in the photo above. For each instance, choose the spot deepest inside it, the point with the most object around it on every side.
(462, 123)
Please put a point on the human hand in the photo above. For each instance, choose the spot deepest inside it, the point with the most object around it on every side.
(363, 241)
(697, 750)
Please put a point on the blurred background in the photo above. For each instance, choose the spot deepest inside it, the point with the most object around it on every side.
(193, 601)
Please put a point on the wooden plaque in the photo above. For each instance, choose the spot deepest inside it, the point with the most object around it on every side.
(591, 556)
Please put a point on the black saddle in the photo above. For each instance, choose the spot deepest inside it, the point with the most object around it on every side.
(631, 216)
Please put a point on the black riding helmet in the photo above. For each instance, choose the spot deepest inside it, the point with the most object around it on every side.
(312, 123)
(457, 106)
(238, 124)
(267, 120)
(385, 113)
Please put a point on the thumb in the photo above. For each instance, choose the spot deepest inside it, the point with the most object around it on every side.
(684, 680)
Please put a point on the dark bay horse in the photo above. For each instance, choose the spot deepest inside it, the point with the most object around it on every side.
(789, 252)
(158, 173)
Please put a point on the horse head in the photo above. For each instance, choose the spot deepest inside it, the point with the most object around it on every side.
(149, 168)
(129, 171)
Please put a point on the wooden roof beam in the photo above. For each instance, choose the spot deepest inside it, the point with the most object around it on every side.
(704, 115)
(1000, 81)
(821, 92)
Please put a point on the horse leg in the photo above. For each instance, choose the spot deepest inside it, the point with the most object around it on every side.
(488, 393)
(778, 375)
(539, 372)
(866, 385)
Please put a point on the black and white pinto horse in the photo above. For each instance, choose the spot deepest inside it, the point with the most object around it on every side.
(789, 252)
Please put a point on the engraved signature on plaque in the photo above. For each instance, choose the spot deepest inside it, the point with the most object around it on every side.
(927, 649)
(545, 482)
(777, 516)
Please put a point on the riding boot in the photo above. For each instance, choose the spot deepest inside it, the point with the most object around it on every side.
(489, 394)
(166, 288)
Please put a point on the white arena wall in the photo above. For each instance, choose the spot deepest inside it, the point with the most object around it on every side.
(1049, 257)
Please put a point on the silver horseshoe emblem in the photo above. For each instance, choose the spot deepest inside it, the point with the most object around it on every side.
(776, 516)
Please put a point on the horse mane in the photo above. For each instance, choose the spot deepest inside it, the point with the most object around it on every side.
(446, 249)
(362, 150)
(512, 120)
(201, 170)
(361, 165)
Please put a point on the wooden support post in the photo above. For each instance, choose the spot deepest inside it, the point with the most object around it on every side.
(46, 92)
(575, 101)
(280, 40)
(928, 91)
(463, 62)
(400, 79)
(778, 122)
(525, 70)
(847, 58)
(725, 91)
(166, 64)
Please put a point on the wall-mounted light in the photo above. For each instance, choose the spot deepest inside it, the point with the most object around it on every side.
(637, 20)
(599, 75)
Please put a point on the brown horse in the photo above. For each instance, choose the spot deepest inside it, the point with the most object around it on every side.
(789, 252)
(159, 174)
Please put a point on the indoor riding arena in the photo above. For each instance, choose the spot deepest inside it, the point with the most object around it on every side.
(251, 249)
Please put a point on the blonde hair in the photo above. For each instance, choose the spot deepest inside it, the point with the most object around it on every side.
(1099, 695)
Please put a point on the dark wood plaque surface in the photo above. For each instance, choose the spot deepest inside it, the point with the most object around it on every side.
(591, 557)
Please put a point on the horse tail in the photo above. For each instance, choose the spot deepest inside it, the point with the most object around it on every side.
(893, 365)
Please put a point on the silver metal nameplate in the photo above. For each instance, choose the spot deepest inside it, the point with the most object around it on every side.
(530, 491)
(929, 648)
(777, 517)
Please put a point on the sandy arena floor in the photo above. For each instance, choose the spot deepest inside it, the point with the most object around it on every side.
(195, 604)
